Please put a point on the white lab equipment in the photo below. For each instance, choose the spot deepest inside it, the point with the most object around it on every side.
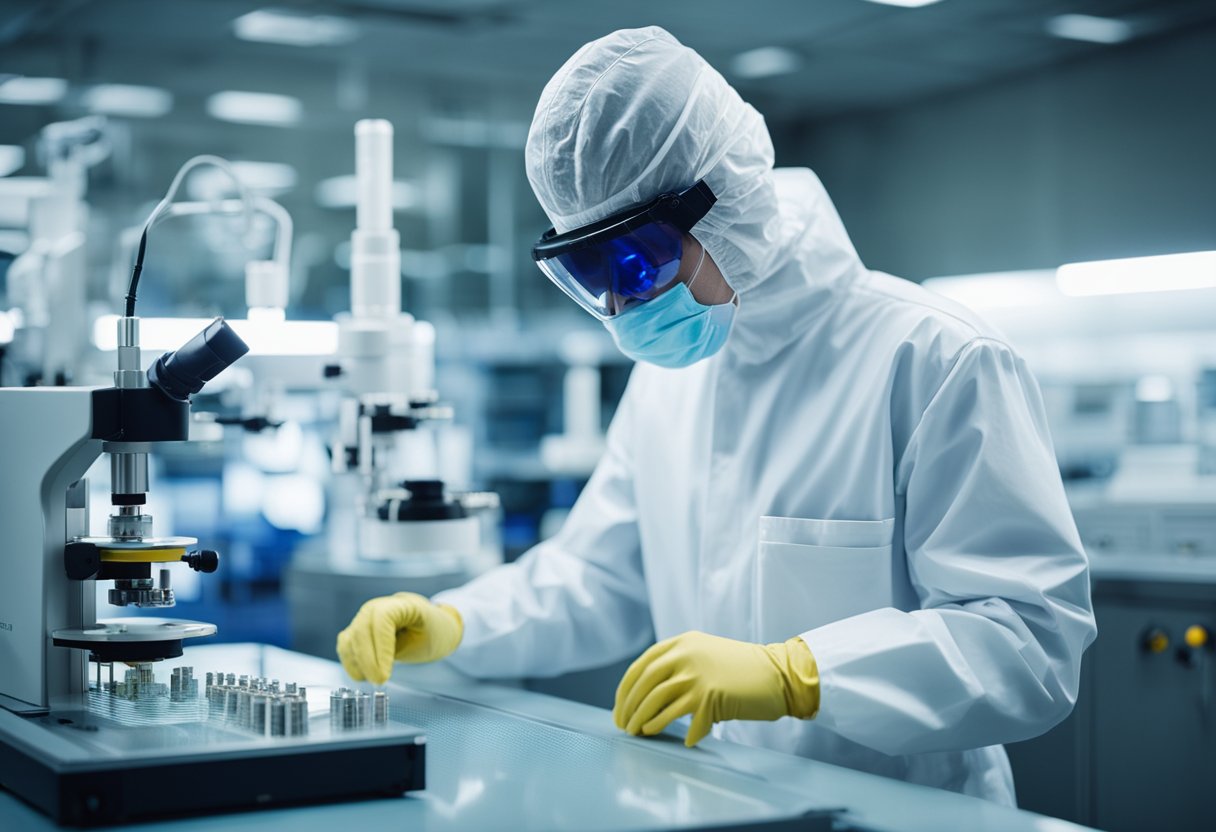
(399, 522)
(47, 281)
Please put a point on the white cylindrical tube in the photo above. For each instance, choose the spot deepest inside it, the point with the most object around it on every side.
(374, 173)
(266, 284)
(375, 255)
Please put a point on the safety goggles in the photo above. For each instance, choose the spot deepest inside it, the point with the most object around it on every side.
(625, 259)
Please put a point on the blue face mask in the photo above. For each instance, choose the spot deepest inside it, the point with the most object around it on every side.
(673, 330)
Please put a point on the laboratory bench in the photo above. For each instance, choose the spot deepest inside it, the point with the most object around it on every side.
(505, 758)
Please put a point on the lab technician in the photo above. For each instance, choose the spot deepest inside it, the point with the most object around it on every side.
(828, 494)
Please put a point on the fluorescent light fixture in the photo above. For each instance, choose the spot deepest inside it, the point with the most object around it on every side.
(1089, 28)
(907, 4)
(264, 337)
(765, 62)
(12, 157)
(19, 89)
(255, 108)
(1163, 273)
(293, 28)
(341, 192)
(998, 290)
(128, 100)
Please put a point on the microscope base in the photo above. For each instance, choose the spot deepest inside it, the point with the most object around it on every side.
(145, 759)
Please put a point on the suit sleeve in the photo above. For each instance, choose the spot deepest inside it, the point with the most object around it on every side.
(575, 601)
(993, 655)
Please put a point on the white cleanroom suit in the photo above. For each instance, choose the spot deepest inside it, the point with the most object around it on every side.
(863, 464)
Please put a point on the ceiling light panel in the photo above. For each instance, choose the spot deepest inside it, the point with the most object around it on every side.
(20, 89)
(906, 4)
(127, 100)
(255, 108)
(1088, 28)
(765, 62)
(291, 28)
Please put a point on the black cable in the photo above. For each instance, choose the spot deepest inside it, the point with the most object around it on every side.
(139, 267)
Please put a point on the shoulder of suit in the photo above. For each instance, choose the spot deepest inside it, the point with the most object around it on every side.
(908, 313)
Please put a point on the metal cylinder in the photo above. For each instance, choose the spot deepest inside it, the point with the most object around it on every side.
(129, 523)
(299, 720)
(244, 708)
(259, 713)
(380, 707)
(335, 710)
(130, 372)
(129, 473)
(231, 705)
(278, 718)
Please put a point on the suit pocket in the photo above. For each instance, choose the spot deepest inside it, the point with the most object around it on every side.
(822, 571)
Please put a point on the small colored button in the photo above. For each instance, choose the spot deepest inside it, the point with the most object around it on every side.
(1156, 641)
(1197, 636)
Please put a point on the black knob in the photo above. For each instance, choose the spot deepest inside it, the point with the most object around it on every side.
(205, 560)
(331, 370)
(425, 491)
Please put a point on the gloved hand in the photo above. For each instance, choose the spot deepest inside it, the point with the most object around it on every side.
(715, 679)
(406, 627)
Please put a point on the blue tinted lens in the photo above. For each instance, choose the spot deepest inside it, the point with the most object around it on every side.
(638, 264)
(591, 267)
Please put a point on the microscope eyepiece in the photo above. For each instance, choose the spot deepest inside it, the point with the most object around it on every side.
(183, 373)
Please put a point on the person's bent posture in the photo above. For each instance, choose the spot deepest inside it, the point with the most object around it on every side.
(830, 496)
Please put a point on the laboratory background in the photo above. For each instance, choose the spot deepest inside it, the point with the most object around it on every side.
(1050, 164)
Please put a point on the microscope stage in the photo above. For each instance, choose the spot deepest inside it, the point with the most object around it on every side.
(141, 749)
(133, 630)
(144, 544)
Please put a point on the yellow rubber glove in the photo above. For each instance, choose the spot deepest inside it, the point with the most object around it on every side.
(715, 679)
(406, 627)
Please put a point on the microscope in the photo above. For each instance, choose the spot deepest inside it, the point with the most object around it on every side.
(387, 372)
(400, 526)
(49, 438)
(87, 748)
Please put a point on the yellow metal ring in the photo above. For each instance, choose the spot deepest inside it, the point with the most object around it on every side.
(142, 555)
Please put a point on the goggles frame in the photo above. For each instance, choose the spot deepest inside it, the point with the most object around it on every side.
(682, 210)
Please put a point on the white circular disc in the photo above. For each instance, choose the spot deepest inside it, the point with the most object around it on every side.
(137, 629)
(144, 544)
